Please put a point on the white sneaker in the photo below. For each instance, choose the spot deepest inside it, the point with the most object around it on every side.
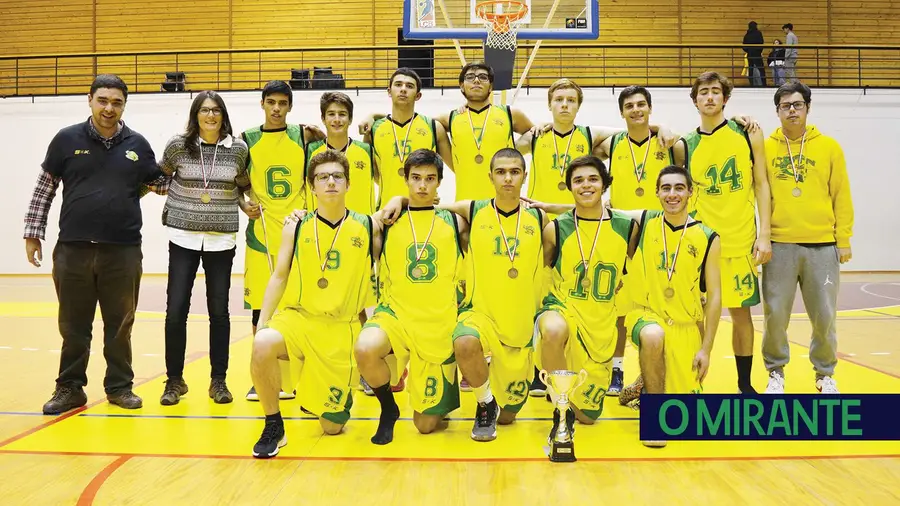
(827, 385)
(776, 383)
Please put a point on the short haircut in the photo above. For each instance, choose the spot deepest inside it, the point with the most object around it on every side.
(632, 91)
(475, 65)
(335, 97)
(588, 161)
(327, 156)
(790, 88)
(408, 72)
(789, 26)
(109, 81)
(507, 153)
(280, 87)
(565, 84)
(423, 158)
(675, 169)
(708, 77)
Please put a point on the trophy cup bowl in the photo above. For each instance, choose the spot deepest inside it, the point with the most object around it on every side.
(562, 383)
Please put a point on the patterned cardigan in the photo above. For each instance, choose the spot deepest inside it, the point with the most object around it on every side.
(225, 183)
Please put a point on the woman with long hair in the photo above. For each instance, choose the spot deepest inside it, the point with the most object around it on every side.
(209, 169)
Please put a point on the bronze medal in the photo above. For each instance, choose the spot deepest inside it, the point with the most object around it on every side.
(561, 185)
(639, 191)
(479, 158)
(418, 273)
(796, 192)
(513, 272)
(205, 198)
(323, 283)
(400, 172)
(586, 283)
(669, 292)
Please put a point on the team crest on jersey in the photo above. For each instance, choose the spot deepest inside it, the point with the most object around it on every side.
(498, 121)
(421, 132)
(786, 170)
(660, 155)
(529, 230)
(359, 165)
(692, 251)
(356, 242)
(307, 240)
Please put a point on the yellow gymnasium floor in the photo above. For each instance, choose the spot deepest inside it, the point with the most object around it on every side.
(198, 453)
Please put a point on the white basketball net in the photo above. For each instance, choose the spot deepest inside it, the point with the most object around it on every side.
(501, 32)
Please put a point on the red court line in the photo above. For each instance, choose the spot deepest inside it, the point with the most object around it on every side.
(90, 491)
(449, 460)
(190, 358)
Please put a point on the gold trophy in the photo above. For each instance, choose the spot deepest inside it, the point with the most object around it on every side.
(561, 384)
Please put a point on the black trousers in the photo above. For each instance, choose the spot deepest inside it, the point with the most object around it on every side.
(183, 264)
(85, 274)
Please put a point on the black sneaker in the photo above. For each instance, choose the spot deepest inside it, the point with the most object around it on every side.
(252, 395)
(126, 400)
(65, 398)
(617, 383)
(272, 438)
(486, 416)
(172, 392)
(218, 391)
(537, 388)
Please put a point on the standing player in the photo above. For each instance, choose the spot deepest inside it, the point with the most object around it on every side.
(586, 248)
(403, 131)
(728, 169)
(478, 130)
(812, 223)
(332, 250)
(675, 260)
(420, 257)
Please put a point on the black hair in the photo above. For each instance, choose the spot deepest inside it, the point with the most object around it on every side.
(631, 91)
(281, 87)
(336, 97)
(192, 133)
(423, 158)
(109, 81)
(789, 26)
(790, 88)
(675, 169)
(408, 72)
(475, 65)
(507, 153)
(589, 161)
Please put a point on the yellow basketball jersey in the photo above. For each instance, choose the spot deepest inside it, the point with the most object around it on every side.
(628, 160)
(510, 301)
(392, 142)
(721, 166)
(649, 270)
(476, 136)
(591, 303)
(276, 170)
(361, 194)
(551, 153)
(347, 265)
(422, 292)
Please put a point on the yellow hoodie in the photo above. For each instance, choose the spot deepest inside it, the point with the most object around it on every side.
(823, 213)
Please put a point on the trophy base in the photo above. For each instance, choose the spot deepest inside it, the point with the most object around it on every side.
(562, 452)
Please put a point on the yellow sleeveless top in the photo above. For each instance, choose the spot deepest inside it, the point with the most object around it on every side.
(347, 265)
(589, 294)
(551, 153)
(392, 142)
(420, 278)
(511, 302)
(361, 194)
(649, 269)
(476, 137)
(627, 161)
(721, 166)
(277, 164)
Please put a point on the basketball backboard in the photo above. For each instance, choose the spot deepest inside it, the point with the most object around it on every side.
(456, 19)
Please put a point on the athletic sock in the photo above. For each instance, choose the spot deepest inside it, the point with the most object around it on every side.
(483, 393)
(275, 418)
(617, 362)
(744, 366)
(389, 414)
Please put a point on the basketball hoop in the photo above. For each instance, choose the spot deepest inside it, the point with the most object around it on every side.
(501, 19)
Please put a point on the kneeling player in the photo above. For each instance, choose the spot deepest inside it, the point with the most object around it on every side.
(417, 313)
(332, 249)
(676, 259)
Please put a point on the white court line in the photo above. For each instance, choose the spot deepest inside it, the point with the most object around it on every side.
(29, 349)
(850, 354)
(805, 356)
(729, 357)
(863, 289)
(5, 347)
(880, 353)
(54, 351)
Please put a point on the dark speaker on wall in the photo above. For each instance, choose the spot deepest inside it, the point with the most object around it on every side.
(419, 56)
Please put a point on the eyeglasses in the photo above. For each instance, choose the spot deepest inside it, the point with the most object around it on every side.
(323, 177)
(798, 106)
(206, 110)
(471, 78)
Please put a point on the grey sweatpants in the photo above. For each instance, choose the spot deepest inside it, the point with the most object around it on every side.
(817, 269)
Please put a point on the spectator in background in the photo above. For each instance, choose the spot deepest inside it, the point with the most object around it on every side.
(790, 53)
(756, 73)
(776, 61)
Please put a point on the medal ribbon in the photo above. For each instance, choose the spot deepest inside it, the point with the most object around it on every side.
(400, 152)
(510, 254)
(671, 270)
(643, 166)
(416, 241)
(791, 156)
(587, 262)
(479, 138)
(211, 167)
(334, 240)
(561, 163)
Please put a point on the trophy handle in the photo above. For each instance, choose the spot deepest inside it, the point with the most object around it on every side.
(582, 377)
(543, 376)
